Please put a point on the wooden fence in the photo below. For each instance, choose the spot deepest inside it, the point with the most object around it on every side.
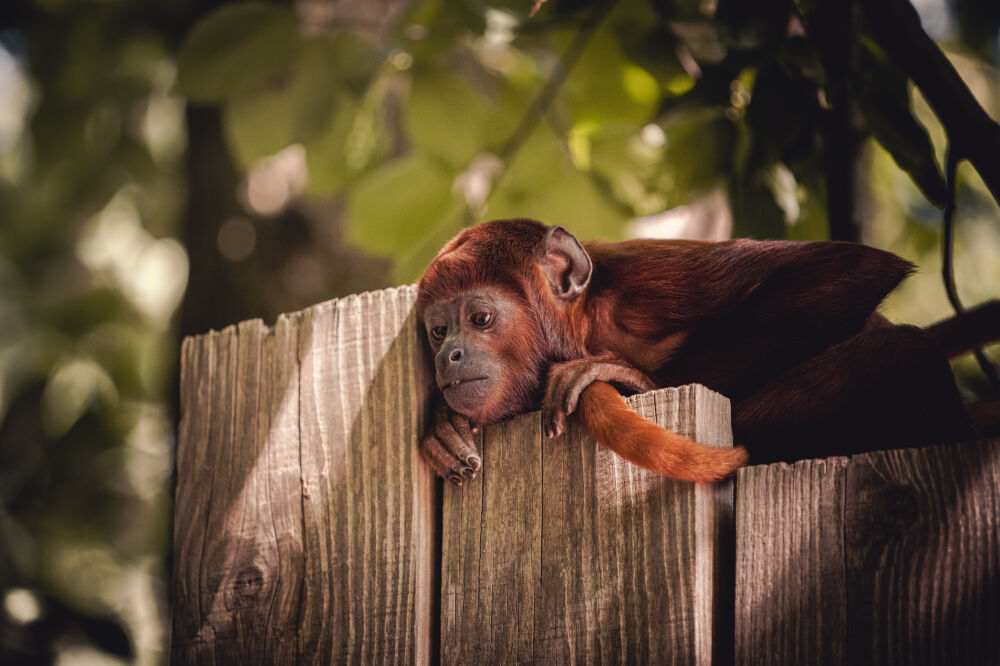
(308, 531)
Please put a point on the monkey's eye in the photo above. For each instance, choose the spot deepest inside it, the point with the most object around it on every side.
(481, 319)
(438, 332)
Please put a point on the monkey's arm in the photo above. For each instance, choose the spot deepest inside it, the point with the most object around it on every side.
(566, 381)
(448, 445)
(585, 383)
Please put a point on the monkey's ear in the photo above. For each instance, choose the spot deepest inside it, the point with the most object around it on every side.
(565, 263)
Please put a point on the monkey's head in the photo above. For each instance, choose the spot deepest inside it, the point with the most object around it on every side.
(494, 304)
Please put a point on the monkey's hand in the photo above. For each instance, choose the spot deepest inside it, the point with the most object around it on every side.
(566, 381)
(448, 445)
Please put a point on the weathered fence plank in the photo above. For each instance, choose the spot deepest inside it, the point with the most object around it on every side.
(884, 558)
(563, 552)
(304, 525)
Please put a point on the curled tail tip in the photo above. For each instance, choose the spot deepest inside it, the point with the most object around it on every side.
(723, 464)
(741, 457)
(734, 459)
(651, 446)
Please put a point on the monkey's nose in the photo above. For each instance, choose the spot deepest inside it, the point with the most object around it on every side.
(455, 355)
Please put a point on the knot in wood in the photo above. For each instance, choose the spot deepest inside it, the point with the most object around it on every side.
(248, 583)
(890, 513)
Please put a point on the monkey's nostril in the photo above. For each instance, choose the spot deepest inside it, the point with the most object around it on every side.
(455, 355)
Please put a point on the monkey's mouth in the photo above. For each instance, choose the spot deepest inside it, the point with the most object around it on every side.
(461, 382)
(468, 395)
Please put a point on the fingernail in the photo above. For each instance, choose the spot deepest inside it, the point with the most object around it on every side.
(474, 462)
(455, 478)
(469, 473)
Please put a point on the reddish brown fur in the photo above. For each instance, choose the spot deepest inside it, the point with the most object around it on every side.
(613, 423)
(506, 260)
(735, 316)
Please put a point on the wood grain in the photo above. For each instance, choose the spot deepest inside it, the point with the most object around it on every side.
(790, 596)
(304, 524)
(367, 501)
(305, 527)
(890, 557)
(563, 552)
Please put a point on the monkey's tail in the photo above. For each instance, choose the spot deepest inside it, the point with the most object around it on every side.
(969, 330)
(612, 423)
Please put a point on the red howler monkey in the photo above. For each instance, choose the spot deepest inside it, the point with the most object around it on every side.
(520, 315)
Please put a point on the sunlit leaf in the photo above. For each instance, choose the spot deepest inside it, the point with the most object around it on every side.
(542, 183)
(235, 46)
(604, 86)
(445, 117)
(289, 108)
(395, 206)
(907, 141)
(71, 388)
(630, 162)
(885, 102)
(813, 223)
(431, 27)
(327, 153)
(653, 46)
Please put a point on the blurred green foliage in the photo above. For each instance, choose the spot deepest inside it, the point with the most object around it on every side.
(91, 190)
(352, 142)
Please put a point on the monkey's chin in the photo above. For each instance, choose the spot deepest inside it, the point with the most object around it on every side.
(471, 397)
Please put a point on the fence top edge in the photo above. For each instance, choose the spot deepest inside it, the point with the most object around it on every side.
(330, 303)
(847, 461)
(677, 391)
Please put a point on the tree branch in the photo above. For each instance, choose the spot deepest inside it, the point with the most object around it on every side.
(986, 364)
(836, 30)
(551, 88)
(972, 134)
(540, 105)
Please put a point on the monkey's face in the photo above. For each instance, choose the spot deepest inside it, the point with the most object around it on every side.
(482, 339)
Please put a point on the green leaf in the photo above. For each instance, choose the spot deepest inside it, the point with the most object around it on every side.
(432, 27)
(292, 107)
(909, 144)
(604, 86)
(699, 154)
(327, 153)
(885, 102)
(234, 47)
(445, 117)
(396, 207)
(630, 165)
(543, 184)
(355, 57)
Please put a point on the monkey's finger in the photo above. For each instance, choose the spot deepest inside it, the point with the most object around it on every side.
(464, 452)
(441, 460)
(555, 422)
(547, 424)
(435, 455)
(582, 381)
(555, 391)
(467, 451)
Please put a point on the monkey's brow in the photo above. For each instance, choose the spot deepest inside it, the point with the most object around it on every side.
(479, 302)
